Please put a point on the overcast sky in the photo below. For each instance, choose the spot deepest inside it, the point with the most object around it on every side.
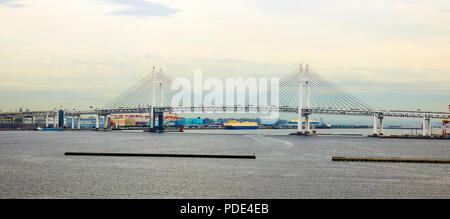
(393, 54)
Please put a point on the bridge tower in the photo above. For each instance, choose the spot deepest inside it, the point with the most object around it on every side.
(160, 87)
(156, 83)
(303, 78)
(300, 102)
(308, 93)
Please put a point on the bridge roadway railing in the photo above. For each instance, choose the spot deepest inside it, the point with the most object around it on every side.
(30, 113)
(415, 114)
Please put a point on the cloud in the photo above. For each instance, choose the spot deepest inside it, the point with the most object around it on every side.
(142, 8)
(11, 4)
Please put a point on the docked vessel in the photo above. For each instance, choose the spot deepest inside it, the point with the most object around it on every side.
(48, 129)
(240, 125)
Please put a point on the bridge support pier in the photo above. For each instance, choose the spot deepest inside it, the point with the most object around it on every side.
(300, 103)
(381, 126)
(106, 122)
(429, 128)
(55, 122)
(423, 127)
(73, 122)
(307, 125)
(299, 122)
(375, 128)
(426, 127)
(153, 127)
(152, 117)
(79, 122)
(46, 120)
(97, 121)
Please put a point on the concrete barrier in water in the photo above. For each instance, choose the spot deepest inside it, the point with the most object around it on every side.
(401, 160)
(161, 155)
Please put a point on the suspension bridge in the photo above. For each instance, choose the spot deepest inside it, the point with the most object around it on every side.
(303, 92)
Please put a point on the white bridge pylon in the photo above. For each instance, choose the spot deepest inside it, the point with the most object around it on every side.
(303, 79)
(157, 82)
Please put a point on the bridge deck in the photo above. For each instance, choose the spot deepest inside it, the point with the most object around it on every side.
(241, 109)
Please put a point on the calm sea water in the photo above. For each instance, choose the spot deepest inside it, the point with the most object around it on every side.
(33, 165)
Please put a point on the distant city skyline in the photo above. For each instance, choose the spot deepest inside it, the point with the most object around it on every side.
(78, 53)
